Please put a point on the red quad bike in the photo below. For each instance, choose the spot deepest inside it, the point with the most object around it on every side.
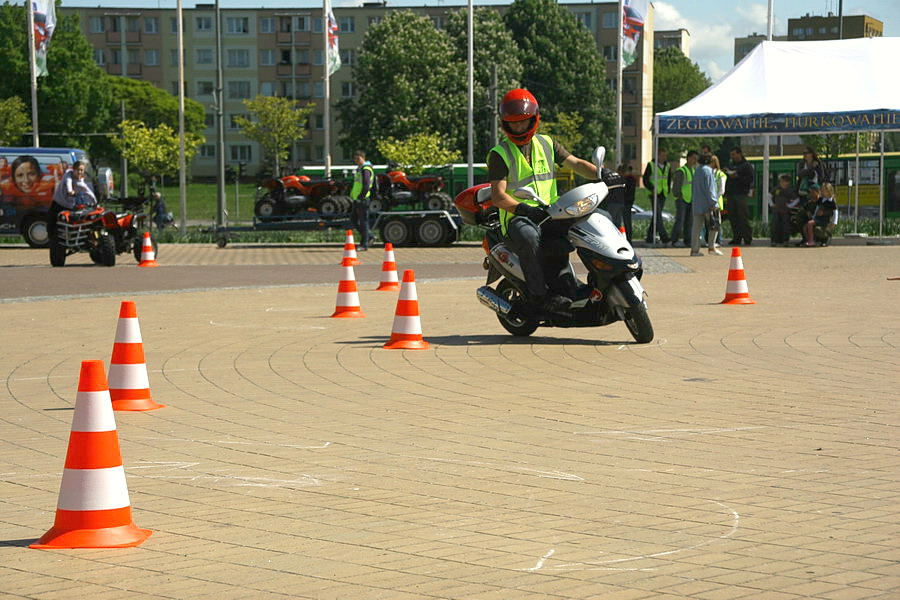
(293, 195)
(103, 233)
(395, 188)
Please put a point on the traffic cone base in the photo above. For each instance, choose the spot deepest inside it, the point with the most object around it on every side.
(93, 510)
(129, 386)
(350, 250)
(736, 291)
(406, 332)
(148, 256)
(389, 281)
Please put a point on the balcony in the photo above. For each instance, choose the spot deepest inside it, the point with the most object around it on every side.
(301, 38)
(131, 37)
(133, 70)
(300, 70)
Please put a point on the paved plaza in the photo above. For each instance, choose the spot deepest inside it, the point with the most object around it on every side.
(747, 452)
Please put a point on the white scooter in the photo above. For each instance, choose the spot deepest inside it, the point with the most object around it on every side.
(613, 291)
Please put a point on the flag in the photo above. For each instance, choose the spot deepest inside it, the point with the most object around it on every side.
(632, 27)
(44, 24)
(334, 54)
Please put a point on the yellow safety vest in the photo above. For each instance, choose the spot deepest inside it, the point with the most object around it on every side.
(540, 175)
(358, 182)
(720, 175)
(659, 178)
(686, 182)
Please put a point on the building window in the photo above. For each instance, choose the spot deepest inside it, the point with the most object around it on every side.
(232, 120)
(586, 19)
(267, 25)
(266, 58)
(267, 88)
(151, 58)
(302, 23)
(134, 57)
(133, 24)
(175, 88)
(346, 89)
(241, 152)
(320, 152)
(317, 25)
(629, 152)
(238, 90)
(627, 118)
(348, 57)
(834, 30)
(629, 85)
(115, 57)
(302, 57)
(319, 122)
(208, 151)
(610, 52)
(204, 56)
(237, 25)
(97, 25)
(374, 21)
(209, 120)
(100, 57)
(238, 58)
(203, 23)
(285, 56)
(438, 21)
(317, 57)
(303, 89)
(347, 24)
(609, 20)
(151, 25)
(319, 89)
(204, 88)
(809, 31)
(612, 82)
(822, 30)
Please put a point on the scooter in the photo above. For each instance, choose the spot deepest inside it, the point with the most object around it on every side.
(613, 291)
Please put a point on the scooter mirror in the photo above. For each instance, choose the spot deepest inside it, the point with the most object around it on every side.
(528, 194)
(599, 156)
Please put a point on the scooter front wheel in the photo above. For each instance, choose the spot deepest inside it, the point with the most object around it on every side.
(517, 326)
(638, 322)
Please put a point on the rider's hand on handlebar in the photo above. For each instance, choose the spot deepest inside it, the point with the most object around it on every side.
(535, 214)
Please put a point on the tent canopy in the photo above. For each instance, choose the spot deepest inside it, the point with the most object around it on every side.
(798, 88)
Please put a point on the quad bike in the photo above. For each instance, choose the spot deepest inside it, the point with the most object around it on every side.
(103, 233)
(395, 188)
(294, 195)
(613, 291)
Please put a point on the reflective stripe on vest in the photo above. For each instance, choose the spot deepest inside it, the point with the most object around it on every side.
(720, 175)
(358, 182)
(541, 178)
(686, 182)
(659, 178)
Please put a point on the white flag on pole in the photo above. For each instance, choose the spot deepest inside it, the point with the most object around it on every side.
(334, 54)
(44, 24)
(632, 27)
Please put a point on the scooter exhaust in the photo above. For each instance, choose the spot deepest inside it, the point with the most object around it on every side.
(489, 298)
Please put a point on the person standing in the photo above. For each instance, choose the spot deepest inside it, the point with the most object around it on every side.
(360, 193)
(738, 189)
(627, 172)
(71, 191)
(656, 177)
(784, 199)
(681, 189)
(810, 171)
(704, 207)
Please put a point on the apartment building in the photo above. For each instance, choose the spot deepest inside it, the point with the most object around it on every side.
(280, 52)
(673, 38)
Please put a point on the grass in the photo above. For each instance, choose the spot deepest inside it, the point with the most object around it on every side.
(201, 201)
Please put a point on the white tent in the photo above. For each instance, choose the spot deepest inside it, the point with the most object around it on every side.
(837, 86)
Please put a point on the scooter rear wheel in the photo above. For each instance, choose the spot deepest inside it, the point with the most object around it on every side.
(518, 327)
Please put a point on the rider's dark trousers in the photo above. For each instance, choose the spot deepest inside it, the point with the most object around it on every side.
(543, 251)
(359, 219)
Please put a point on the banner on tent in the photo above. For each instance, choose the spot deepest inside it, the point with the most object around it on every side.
(870, 120)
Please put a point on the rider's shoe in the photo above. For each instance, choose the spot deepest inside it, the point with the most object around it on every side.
(553, 303)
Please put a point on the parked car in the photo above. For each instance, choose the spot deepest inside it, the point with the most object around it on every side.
(638, 213)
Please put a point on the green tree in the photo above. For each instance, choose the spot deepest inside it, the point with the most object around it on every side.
(74, 99)
(408, 82)
(417, 151)
(832, 145)
(563, 68)
(14, 121)
(153, 151)
(566, 129)
(275, 123)
(676, 79)
(491, 48)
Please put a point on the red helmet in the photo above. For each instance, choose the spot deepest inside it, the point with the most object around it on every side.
(519, 105)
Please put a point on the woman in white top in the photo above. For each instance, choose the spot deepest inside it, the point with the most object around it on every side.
(71, 191)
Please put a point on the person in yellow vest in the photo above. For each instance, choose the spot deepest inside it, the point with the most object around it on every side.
(681, 189)
(525, 158)
(656, 177)
(361, 193)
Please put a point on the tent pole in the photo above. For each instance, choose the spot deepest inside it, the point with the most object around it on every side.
(764, 193)
(881, 190)
(653, 159)
(856, 191)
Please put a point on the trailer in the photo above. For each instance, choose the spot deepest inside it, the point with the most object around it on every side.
(400, 227)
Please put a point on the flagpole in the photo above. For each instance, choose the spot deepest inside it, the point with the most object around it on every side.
(619, 83)
(326, 66)
(470, 119)
(31, 58)
(182, 167)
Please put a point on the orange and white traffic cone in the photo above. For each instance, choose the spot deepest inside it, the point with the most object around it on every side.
(736, 291)
(129, 386)
(347, 304)
(93, 510)
(148, 256)
(389, 281)
(350, 250)
(406, 332)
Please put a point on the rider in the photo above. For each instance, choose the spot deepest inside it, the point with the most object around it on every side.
(361, 193)
(517, 161)
(71, 191)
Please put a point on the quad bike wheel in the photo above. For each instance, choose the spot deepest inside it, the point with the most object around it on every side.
(57, 253)
(438, 201)
(329, 206)
(265, 208)
(105, 251)
(397, 231)
(376, 204)
(432, 231)
(139, 247)
(519, 327)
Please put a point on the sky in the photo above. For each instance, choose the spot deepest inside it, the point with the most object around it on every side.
(713, 24)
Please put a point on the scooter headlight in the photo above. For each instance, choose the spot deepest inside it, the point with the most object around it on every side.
(585, 205)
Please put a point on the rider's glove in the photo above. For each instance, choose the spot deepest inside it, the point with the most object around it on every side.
(611, 178)
(535, 214)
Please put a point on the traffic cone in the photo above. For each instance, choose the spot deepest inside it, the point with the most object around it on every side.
(406, 333)
(129, 386)
(350, 250)
(93, 510)
(736, 291)
(347, 304)
(148, 256)
(622, 229)
(389, 281)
